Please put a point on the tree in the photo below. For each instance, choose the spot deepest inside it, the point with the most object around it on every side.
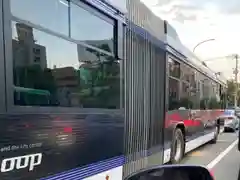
(104, 80)
(186, 102)
(231, 90)
(213, 103)
(34, 77)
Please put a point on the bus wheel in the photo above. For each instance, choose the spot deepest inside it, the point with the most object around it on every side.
(177, 149)
(216, 132)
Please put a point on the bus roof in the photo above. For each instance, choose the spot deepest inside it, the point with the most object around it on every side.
(192, 59)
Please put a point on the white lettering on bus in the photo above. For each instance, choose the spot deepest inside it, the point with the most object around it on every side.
(21, 162)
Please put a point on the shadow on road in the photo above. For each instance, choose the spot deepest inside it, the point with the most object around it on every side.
(238, 174)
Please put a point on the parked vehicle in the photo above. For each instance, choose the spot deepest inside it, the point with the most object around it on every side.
(231, 123)
(227, 113)
(237, 112)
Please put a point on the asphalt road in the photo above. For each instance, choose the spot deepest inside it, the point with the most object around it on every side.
(222, 158)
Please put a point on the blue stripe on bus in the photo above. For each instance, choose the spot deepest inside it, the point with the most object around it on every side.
(99, 167)
(89, 170)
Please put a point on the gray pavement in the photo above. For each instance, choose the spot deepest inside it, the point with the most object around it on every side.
(228, 167)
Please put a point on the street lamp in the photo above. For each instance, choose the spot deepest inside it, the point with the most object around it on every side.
(202, 43)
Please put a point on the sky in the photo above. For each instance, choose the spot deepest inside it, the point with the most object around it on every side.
(84, 26)
(199, 20)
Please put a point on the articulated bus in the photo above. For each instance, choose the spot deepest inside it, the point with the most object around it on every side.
(87, 94)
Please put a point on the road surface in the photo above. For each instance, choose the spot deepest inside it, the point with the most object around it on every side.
(222, 158)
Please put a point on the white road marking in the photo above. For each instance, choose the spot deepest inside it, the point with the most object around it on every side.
(221, 131)
(221, 155)
(224, 141)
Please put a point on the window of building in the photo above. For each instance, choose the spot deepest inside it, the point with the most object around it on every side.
(206, 87)
(193, 79)
(91, 29)
(186, 72)
(185, 92)
(174, 87)
(36, 51)
(37, 59)
(51, 14)
(68, 74)
(174, 68)
(186, 97)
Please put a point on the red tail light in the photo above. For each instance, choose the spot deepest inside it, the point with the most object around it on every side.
(27, 125)
(67, 129)
(211, 172)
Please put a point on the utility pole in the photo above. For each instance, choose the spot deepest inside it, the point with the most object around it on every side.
(236, 81)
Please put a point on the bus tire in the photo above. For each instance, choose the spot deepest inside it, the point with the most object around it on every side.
(215, 138)
(177, 147)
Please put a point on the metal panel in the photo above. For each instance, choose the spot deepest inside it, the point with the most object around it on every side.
(145, 103)
(120, 37)
(158, 94)
(108, 9)
(8, 53)
(145, 78)
(141, 15)
(2, 69)
(2, 61)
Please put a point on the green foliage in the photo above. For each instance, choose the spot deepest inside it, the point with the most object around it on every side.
(213, 103)
(203, 103)
(210, 103)
(173, 103)
(186, 102)
(224, 100)
(34, 77)
(231, 88)
(102, 85)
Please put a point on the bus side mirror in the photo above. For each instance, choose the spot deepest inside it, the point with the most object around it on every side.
(172, 172)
